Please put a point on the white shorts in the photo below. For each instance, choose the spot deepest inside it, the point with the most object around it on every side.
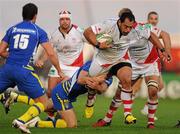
(142, 70)
(67, 70)
(96, 68)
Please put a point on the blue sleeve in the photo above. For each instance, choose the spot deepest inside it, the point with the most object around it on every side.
(86, 66)
(7, 35)
(109, 81)
(43, 37)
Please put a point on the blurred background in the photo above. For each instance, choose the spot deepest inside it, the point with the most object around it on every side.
(87, 12)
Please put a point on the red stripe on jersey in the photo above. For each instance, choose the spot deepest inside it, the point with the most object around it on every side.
(127, 101)
(153, 56)
(79, 61)
(126, 56)
(106, 65)
(75, 26)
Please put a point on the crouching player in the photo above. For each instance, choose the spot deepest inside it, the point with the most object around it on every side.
(65, 93)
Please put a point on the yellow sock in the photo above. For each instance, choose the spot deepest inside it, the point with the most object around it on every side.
(49, 124)
(1, 96)
(32, 112)
(61, 123)
(25, 99)
(45, 124)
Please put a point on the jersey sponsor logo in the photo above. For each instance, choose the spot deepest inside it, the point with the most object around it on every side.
(21, 30)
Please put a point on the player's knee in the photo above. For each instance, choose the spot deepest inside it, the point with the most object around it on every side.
(126, 82)
(153, 87)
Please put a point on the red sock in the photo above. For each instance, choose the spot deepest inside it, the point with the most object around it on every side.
(115, 104)
(127, 101)
(152, 106)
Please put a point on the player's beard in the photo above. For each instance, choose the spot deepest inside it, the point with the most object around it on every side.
(66, 27)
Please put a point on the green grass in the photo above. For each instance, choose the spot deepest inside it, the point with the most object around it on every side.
(168, 114)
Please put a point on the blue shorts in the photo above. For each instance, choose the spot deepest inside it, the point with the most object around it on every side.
(60, 98)
(24, 77)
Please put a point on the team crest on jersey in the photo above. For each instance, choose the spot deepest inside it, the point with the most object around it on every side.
(52, 71)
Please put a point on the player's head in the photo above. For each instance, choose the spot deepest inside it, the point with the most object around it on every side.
(153, 18)
(29, 12)
(124, 10)
(65, 19)
(126, 22)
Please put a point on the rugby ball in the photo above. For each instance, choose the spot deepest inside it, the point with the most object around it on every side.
(104, 38)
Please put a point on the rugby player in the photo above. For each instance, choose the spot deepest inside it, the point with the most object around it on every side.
(68, 42)
(153, 19)
(66, 92)
(22, 40)
(108, 55)
(143, 57)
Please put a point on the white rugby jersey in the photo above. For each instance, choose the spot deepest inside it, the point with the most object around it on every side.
(120, 43)
(69, 46)
(143, 51)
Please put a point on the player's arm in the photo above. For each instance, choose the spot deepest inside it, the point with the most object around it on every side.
(97, 83)
(83, 77)
(166, 41)
(90, 36)
(3, 49)
(42, 58)
(52, 57)
(155, 41)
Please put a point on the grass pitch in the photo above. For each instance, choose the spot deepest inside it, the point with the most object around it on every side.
(168, 114)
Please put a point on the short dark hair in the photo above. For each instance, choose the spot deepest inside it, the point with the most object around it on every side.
(124, 10)
(152, 12)
(29, 11)
(128, 15)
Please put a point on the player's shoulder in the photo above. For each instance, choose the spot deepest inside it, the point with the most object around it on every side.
(14, 27)
(77, 28)
(56, 34)
(143, 26)
(110, 21)
(39, 29)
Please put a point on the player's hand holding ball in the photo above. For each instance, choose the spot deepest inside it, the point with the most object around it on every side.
(104, 41)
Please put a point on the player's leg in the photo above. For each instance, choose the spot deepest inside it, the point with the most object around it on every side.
(123, 71)
(5, 83)
(94, 69)
(32, 86)
(136, 86)
(115, 104)
(63, 105)
(144, 111)
(152, 83)
(13, 97)
(64, 108)
(53, 80)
